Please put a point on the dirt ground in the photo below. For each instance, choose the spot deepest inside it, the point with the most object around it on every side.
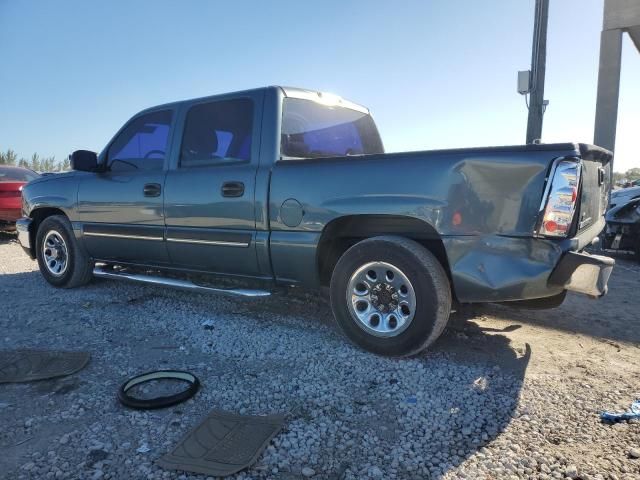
(567, 364)
(584, 339)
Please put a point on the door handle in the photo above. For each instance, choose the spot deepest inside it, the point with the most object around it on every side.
(152, 190)
(232, 189)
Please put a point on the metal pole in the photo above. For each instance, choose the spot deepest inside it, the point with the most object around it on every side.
(538, 67)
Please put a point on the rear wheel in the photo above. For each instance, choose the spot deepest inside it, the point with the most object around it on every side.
(390, 296)
(62, 262)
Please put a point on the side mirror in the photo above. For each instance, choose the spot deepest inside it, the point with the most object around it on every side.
(84, 161)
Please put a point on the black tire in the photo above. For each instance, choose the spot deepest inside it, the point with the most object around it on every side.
(79, 267)
(428, 280)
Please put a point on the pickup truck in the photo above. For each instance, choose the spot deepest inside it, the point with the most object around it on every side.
(290, 187)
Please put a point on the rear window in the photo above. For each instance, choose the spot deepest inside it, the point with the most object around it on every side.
(217, 133)
(311, 129)
(17, 175)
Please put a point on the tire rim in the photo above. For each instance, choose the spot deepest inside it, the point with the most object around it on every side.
(381, 299)
(55, 253)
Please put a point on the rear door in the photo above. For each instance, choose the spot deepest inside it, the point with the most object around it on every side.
(209, 191)
(121, 210)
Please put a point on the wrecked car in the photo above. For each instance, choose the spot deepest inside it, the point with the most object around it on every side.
(12, 181)
(623, 228)
(623, 195)
(292, 187)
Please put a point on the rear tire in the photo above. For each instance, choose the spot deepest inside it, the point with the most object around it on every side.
(390, 296)
(63, 263)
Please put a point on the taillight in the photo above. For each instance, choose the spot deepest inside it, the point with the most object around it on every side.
(10, 193)
(561, 198)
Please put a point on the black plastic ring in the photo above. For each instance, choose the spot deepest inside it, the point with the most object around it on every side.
(158, 402)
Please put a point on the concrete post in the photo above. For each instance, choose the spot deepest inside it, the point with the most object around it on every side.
(619, 16)
(608, 88)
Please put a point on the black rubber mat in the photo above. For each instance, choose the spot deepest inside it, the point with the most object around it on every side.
(223, 443)
(30, 365)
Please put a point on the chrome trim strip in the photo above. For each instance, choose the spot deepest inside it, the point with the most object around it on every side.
(103, 272)
(117, 235)
(208, 242)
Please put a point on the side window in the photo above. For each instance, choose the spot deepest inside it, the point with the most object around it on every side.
(217, 132)
(142, 145)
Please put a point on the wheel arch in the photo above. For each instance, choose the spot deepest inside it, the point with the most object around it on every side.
(343, 232)
(37, 217)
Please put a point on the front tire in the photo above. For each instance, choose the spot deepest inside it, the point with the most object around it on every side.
(63, 263)
(390, 296)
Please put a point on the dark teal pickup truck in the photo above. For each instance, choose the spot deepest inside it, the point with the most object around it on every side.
(283, 186)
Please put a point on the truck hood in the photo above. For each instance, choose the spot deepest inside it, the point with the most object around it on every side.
(51, 178)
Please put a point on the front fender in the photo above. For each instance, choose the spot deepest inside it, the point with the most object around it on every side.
(59, 192)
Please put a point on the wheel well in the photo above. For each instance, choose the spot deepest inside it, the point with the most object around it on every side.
(38, 216)
(344, 232)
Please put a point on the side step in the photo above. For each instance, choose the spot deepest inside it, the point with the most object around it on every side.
(102, 272)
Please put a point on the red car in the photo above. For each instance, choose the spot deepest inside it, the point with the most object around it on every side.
(12, 179)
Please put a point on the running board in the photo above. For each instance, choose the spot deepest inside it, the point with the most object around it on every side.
(102, 272)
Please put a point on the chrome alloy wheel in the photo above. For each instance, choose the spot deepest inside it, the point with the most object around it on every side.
(381, 299)
(55, 253)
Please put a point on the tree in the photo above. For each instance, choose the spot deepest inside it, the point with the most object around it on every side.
(65, 165)
(35, 163)
(8, 158)
(633, 173)
(629, 175)
(48, 164)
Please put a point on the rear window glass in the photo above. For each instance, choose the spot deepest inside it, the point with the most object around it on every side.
(311, 129)
(17, 175)
(217, 133)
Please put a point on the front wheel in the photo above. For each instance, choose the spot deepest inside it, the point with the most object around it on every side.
(62, 262)
(390, 296)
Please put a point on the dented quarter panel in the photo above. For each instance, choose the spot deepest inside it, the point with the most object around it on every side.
(490, 268)
(492, 190)
(495, 193)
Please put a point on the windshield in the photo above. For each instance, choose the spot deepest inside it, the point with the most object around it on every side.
(9, 174)
(311, 129)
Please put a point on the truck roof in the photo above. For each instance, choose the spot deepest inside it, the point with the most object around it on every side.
(290, 92)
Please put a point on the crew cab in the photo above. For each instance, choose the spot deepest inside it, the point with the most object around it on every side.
(285, 186)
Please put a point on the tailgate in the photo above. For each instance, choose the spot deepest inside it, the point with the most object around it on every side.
(595, 185)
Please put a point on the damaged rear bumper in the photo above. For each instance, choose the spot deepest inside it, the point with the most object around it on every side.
(583, 273)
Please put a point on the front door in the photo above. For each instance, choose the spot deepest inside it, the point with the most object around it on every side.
(121, 210)
(209, 192)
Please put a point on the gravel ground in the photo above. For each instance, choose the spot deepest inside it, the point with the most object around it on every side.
(504, 393)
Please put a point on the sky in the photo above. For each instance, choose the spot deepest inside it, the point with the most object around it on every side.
(435, 73)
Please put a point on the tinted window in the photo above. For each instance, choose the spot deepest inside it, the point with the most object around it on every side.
(217, 132)
(142, 145)
(311, 129)
(8, 174)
